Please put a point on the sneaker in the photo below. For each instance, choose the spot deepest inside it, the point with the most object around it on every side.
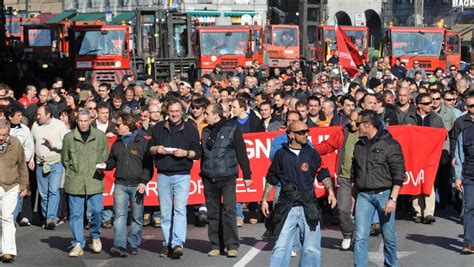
(118, 252)
(240, 222)
(418, 219)
(25, 222)
(96, 246)
(164, 252)
(232, 253)
(157, 223)
(375, 229)
(429, 219)
(253, 221)
(467, 249)
(133, 251)
(50, 225)
(346, 243)
(214, 253)
(7, 258)
(177, 252)
(293, 253)
(59, 222)
(76, 251)
(107, 224)
(146, 219)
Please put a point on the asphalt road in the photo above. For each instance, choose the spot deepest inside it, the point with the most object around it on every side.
(438, 244)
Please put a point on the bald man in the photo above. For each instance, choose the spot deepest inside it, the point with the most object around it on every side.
(294, 167)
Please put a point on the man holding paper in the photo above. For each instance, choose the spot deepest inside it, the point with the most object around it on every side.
(174, 144)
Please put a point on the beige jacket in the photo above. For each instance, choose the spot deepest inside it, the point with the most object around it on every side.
(13, 169)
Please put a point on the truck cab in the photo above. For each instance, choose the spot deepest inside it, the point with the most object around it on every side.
(282, 45)
(326, 41)
(433, 47)
(100, 53)
(229, 46)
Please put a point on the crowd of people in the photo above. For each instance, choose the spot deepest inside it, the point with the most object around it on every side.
(53, 143)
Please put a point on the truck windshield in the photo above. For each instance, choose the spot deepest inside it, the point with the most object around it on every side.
(416, 43)
(358, 38)
(285, 37)
(100, 42)
(39, 37)
(224, 43)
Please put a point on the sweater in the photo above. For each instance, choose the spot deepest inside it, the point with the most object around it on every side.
(55, 131)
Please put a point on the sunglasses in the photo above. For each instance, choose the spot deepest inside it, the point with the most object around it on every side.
(470, 106)
(453, 69)
(301, 132)
(449, 99)
(425, 103)
(358, 123)
(436, 98)
(195, 107)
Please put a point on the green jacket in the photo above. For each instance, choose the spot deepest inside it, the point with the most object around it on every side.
(80, 159)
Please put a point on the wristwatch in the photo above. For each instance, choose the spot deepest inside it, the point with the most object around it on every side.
(394, 199)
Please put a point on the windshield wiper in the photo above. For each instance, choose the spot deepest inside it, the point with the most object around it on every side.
(92, 51)
(418, 52)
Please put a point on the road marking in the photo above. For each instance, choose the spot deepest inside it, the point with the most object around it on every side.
(251, 254)
(378, 257)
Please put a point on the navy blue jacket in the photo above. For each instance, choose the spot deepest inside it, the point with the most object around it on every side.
(288, 168)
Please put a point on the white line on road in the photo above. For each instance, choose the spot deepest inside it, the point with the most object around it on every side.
(251, 254)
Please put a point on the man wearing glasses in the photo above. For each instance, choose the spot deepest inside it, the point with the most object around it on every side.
(294, 167)
(416, 67)
(449, 100)
(464, 167)
(377, 172)
(424, 205)
(444, 169)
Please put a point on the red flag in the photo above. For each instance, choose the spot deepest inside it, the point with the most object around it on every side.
(349, 56)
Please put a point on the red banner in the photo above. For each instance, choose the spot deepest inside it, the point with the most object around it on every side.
(421, 147)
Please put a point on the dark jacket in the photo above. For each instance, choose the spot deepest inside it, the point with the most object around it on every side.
(434, 120)
(300, 170)
(339, 119)
(378, 163)
(110, 127)
(459, 124)
(223, 150)
(390, 115)
(59, 106)
(253, 124)
(402, 115)
(132, 162)
(399, 71)
(186, 137)
(288, 196)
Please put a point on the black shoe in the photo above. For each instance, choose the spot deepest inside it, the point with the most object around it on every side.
(375, 229)
(202, 216)
(418, 219)
(429, 219)
(50, 225)
(107, 224)
(165, 251)
(133, 251)
(118, 252)
(177, 252)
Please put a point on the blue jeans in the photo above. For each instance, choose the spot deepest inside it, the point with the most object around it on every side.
(173, 216)
(107, 214)
(122, 196)
(239, 211)
(468, 200)
(366, 206)
(310, 240)
(76, 220)
(48, 188)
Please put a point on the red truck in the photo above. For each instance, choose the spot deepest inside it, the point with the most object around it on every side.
(433, 47)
